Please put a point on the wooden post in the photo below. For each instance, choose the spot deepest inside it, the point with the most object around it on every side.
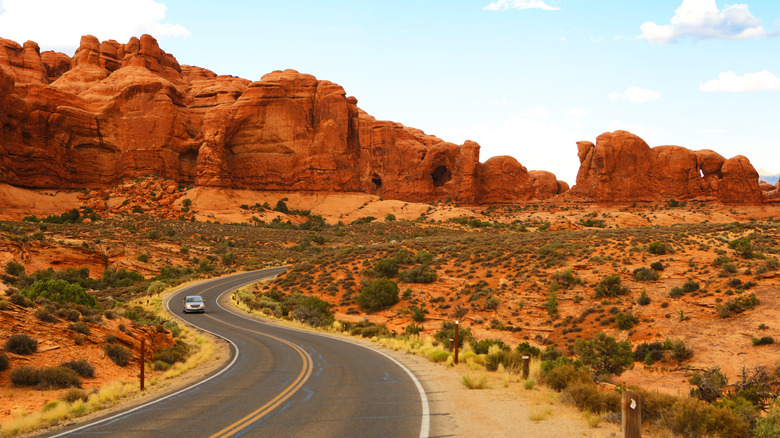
(456, 342)
(143, 360)
(526, 366)
(632, 414)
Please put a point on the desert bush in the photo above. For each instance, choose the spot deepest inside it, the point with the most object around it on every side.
(769, 425)
(386, 267)
(645, 274)
(418, 274)
(43, 314)
(657, 266)
(413, 328)
(117, 353)
(24, 375)
(81, 366)
(649, 353)
(659, 248)
(643, 299)
(585, 395)
(737, 305)
(743, 247)
(14, 268)
(20, 300)
(175, 353)
(3, 305)
(510, 360)
(680, 352)
(69, 314)
(764, 340)
(378, 294)
(368, 329)
(474, 383)
(610, 286)
(418, 314)
(143, 257)
(561, 377)
(708, 385)
(309, 310)
(21, 343)
(566, 279)
(604, 354)
(625, 321)
(690, 417)
(4, 361)
(75, 394)
(79, 327)
(58, 377)
(690, 286)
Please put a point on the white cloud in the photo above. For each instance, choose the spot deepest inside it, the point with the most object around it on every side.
(636, 95)
(536, 113)
(59, 25)
(503, 5)
(701, 19)
(731, 82)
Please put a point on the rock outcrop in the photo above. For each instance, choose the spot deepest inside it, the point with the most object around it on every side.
(621, 167)
(115, 111)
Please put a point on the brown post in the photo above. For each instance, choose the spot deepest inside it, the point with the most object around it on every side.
(143, 360)
(526, 366)
(456, 342)
(632, 414)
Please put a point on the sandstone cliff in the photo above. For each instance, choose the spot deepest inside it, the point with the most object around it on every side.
(115, 111)
(621, 167)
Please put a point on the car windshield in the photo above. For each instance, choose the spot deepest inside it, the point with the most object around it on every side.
(194, 299)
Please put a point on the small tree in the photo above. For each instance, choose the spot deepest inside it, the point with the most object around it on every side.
(708, 386)
(604, 354)
(447, 332)
(378, 294)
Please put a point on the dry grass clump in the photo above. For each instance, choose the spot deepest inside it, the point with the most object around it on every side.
(475, 382)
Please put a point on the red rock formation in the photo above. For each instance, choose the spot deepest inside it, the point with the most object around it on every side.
(115, 111)
(621, 167)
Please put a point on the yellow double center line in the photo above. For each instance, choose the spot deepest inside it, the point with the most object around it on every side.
(272, 404)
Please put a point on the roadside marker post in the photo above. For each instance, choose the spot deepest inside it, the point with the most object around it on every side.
(143, 360)
(526, 366)
(456, 342)
(632, 414)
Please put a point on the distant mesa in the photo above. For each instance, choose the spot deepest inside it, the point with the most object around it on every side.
(115, 111)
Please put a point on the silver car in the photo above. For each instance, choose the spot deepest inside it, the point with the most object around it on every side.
(194, 303)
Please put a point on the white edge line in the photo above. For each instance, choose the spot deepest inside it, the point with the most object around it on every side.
(145, 405)
(425, 423)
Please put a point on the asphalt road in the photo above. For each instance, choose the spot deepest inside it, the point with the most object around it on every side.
(279, 382)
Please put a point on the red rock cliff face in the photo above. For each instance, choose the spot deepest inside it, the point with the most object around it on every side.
(621, 167)
(114, 111)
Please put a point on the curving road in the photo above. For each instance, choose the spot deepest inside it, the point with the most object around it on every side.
(279, 382)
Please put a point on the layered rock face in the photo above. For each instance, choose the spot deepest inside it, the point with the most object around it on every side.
(621, 167)
(114, 111)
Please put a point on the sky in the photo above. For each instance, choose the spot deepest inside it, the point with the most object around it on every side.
(526, 78)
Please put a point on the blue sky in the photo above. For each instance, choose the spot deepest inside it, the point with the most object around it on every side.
(526, 78)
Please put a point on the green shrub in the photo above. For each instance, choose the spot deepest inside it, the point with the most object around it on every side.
(483, 345)
(309, 310)
(143, 257)
(737, 305)
(690, 286)
(386, 267)
(58, 377)
(657, 266)
(561, 377)
(649, 353)
(645, 274)
(566, 279)
(680, 352)
(378, 294)
(413, 328)
(159, 365)
(708, 385)
(4, 361)
(764, 340)
(625, 321)
(20, 300)
(79, 327)
(769, 426)
(528, 349)
(418, 314)
(81, 367)
(21, 343)
(389, 217)
(659, 248)
(743, 247)
(604, 354)
(60, 291)
(117, 353)
(610, 286)
(14, 268)
(643, 299)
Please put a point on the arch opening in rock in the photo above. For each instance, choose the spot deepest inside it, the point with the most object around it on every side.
(377, 180)
(440, 176)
